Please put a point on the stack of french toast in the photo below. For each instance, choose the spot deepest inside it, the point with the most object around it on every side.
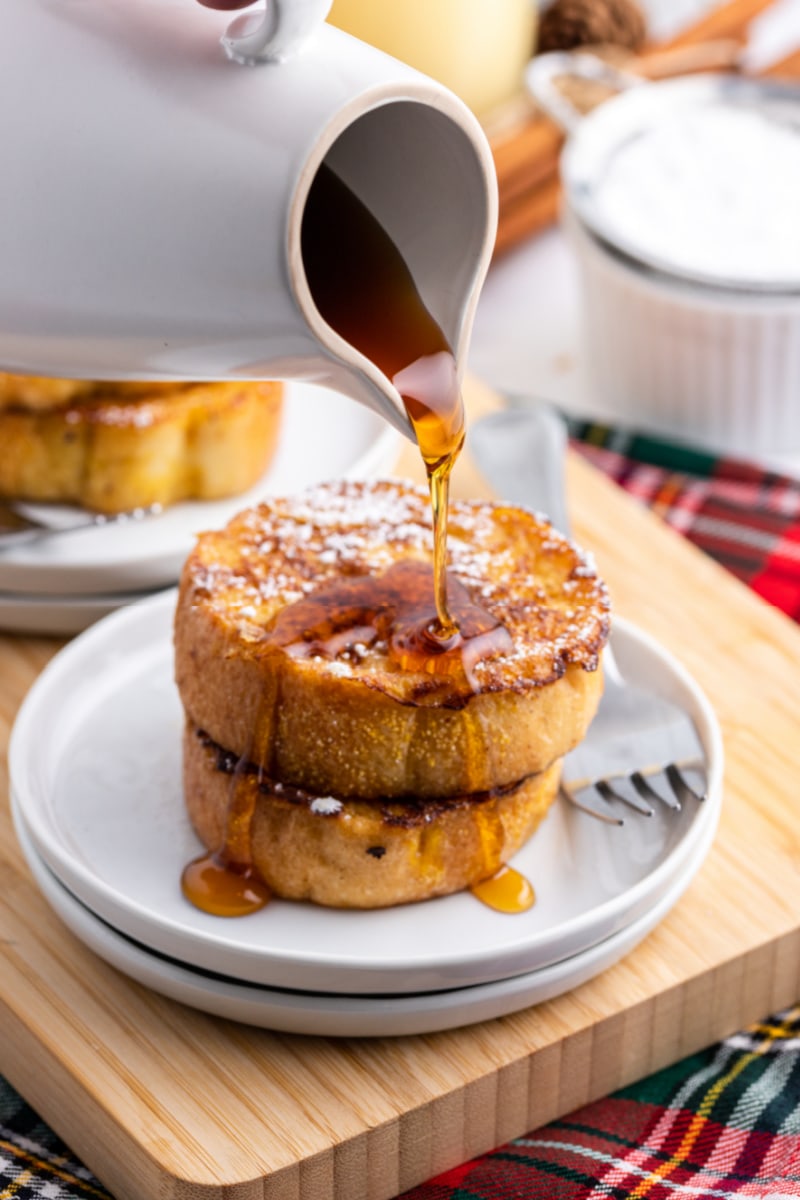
(115, 447)
(345, 771)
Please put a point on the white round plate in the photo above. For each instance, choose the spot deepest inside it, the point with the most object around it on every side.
(324, 435)
(95, 772)
(328, 1015)
(60, 616)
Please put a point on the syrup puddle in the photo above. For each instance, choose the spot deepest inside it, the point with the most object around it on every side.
(216, 889)
(506, 891)
(219, 890)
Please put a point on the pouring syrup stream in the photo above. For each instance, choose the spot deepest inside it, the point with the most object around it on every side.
(364, 289)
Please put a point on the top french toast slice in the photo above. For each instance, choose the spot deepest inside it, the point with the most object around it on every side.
(354, 721)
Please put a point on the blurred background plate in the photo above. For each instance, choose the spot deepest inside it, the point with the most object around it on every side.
(324, 435)
(60, 616)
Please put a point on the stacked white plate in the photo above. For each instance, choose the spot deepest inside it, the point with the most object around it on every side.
(97, 801)
(60, 585)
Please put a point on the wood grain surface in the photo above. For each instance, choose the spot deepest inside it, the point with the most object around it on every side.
(165, 1102)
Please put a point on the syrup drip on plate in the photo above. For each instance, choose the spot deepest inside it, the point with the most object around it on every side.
(506, 891)
(224, 882)
(223, 891)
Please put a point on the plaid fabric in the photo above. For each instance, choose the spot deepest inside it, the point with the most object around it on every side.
(722, 1123)
(746, 518)
(34, 1163)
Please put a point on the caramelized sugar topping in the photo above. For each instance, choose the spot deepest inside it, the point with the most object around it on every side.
(395, 609)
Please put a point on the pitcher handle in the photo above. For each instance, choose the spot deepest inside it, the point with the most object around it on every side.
(544, 69)
(276, 33)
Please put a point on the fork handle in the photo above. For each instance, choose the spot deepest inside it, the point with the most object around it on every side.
(528, 443)
(548, 433)
(524, 457)
(38, 533)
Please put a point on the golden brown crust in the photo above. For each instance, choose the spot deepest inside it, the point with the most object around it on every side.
(113, 448)
(354, 853)
(41, 392)
(357, 725)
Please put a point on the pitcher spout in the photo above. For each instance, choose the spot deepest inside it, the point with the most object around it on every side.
(392, 227)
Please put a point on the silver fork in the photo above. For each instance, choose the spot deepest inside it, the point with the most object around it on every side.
(642, 750)
(19, 527)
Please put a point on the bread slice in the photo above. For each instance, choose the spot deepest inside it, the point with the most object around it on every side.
(357, 853)
(117, 447)
(41, 393)
(355, 723)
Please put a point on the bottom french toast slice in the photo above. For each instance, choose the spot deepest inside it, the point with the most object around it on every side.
(359, 853)
(133, 446)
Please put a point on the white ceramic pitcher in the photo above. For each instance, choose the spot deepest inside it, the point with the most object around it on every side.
(155, 167)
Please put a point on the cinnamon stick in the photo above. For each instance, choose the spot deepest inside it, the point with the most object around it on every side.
(728, 20)
(722, 54)
(531, 213)
(786, 69)
(527, 158)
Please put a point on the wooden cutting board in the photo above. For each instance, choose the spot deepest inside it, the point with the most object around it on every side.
(164, 1102)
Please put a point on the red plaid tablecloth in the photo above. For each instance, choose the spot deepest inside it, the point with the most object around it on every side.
(722, 1123)
(746, 518)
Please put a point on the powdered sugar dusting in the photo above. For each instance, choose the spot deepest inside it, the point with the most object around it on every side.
(544, 590)
(326, 806)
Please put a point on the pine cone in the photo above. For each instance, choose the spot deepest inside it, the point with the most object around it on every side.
(570, 23)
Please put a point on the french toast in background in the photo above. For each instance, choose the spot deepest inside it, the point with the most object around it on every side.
(114, 447)
(353, 777)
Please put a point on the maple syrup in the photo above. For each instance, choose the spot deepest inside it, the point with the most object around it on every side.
(426, 618)
(392, 608)
(224, 882)
(222, 889)
(363, 288)
(506, 891)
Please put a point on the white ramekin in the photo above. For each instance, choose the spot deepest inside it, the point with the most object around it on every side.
(718, 368)
(690, 266)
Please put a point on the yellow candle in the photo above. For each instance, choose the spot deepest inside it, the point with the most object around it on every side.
(477, 48)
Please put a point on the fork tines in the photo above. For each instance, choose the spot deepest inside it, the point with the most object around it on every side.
(679, 784)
